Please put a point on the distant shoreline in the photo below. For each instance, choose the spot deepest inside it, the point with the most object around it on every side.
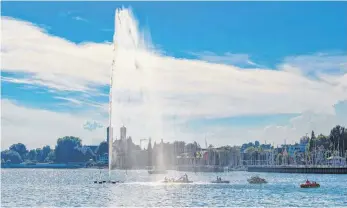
(287, 169)
(44, 165)
(309, 170)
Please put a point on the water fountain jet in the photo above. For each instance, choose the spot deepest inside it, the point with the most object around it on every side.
(133, 101)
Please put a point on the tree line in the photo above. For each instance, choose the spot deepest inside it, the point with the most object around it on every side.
(70, 148)
(336, 141)
(317, 149)
(67, 149)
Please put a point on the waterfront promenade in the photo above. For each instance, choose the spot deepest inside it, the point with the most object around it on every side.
(300, 169)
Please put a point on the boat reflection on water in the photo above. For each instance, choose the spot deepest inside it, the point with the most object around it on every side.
(219, 180)
(256, 180)
(183, 179)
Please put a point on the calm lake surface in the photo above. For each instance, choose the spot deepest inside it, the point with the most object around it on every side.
(67, 188)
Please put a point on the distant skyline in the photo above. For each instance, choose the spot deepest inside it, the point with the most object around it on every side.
(240, 72)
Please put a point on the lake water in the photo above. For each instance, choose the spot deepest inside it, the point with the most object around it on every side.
(67, 188)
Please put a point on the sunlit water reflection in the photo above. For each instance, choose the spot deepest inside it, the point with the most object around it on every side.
(29, 187)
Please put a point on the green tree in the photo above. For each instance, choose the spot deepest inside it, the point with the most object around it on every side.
(45, 151)
(89, 154)
(77, 155)
(11, 156)
(82, 154)
(102, 148)
(31, 155)
(50, 157)
(313, 136)
(65, 150)
(338, 137)
(20, 148)
(39, 155)
(324, 141)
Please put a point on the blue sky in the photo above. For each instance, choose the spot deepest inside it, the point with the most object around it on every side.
(305, 42)
(299, 27)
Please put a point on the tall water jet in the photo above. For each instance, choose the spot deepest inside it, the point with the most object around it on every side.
(133, 102)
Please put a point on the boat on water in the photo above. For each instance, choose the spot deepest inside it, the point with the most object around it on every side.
(113, 182)
(256, 180)
(309, 184)
(177, 181)
(183, 179)
(219, 180)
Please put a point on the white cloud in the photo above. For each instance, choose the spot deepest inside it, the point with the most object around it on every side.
(169, 86)
(91, 126)
(53, 61)
(37, 127)
(78, 18)
(226, 58)
(71, 100)
(299, 126)
(270, 133)
(186, 87)
(83, 103)
(331, 63)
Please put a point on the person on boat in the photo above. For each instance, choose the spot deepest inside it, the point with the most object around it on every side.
(185, 177)
(307, 181)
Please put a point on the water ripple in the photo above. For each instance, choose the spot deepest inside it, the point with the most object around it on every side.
(70, 188)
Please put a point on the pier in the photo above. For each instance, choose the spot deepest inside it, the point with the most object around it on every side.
(299, 169)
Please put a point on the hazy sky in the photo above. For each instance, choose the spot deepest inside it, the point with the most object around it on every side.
(232, 72)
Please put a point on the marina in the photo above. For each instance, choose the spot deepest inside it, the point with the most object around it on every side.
(294, 169)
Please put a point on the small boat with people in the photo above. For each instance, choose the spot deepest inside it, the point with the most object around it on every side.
(183, 179)
(113, 182)
(256, 180)
(219, 180)
(309, 184)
